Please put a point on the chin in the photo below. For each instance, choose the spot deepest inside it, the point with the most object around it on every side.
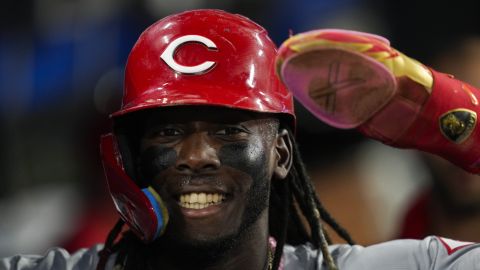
(207, 246)
(207, 236)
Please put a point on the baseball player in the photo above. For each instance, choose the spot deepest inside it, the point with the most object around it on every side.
(202, 163)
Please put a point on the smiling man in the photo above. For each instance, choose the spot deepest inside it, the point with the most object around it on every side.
(203, 167)
(201, 164)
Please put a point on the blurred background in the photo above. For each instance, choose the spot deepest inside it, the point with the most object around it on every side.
(61, 68)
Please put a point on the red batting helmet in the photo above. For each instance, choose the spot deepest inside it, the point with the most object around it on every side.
(200, 57)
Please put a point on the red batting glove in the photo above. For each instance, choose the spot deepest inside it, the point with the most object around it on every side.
(351, 79)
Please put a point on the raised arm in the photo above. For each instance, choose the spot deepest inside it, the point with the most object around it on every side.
(352, 79)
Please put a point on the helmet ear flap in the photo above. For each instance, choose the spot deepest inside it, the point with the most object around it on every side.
(142, 209)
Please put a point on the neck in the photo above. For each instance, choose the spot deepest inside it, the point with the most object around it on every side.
(250, 252)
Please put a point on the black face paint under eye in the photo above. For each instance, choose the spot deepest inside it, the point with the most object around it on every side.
(249, 158)
(153, 161)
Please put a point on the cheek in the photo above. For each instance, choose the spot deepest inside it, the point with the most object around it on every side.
(155, 160)
(247, 157)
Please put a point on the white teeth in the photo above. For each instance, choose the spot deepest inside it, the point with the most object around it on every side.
(200, 200)
(193, 198)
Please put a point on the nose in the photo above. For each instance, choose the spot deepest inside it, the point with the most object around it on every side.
(197, 155)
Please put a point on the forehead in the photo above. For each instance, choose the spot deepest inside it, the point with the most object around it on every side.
(209, 114)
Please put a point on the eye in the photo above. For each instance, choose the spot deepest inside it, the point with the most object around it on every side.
(165, 132)
(230, 131)
(169, 132)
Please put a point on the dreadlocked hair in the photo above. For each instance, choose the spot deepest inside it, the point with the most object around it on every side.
(289, 199)
(297, 196)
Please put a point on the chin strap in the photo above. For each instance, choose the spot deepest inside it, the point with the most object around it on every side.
(105, 253)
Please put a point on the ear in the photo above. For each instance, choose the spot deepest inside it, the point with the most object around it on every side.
(283, 151)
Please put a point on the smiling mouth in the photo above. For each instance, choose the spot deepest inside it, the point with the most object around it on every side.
(200, 200)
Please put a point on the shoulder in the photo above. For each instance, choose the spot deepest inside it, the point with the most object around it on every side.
(54, 259)
(299, 257)
(430, 253)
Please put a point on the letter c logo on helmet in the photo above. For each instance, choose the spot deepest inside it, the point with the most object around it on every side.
(169, 52)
